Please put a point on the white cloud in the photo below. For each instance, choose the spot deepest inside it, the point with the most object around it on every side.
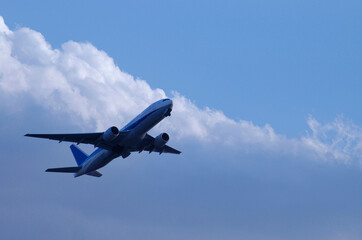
(338, 140)
(83, 81)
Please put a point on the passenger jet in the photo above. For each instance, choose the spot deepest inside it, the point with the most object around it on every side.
(114, 143)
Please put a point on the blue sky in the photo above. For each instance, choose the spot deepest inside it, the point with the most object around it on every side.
(266, 112)
(278, 60)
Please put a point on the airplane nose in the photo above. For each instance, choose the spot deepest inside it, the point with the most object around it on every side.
(168, 102)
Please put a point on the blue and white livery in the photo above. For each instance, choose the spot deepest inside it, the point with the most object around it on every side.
(114, 143)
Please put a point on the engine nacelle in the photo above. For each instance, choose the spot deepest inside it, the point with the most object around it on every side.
(161, 140)
(110, 134)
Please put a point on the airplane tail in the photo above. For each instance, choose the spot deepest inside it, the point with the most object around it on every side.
(78, 154)
(80, 158)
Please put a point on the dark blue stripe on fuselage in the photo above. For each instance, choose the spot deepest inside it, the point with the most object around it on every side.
(133, 125)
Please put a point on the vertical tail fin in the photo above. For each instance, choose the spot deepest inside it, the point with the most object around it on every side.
(78, 154)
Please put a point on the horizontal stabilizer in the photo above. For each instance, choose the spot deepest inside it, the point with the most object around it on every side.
(64, 169)
(95, 174)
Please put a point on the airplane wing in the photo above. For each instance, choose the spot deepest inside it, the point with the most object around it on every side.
(95, 139)
(166, 149)
(87, 138)
(147, 145)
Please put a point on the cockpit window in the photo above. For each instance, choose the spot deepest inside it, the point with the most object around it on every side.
(165, 99)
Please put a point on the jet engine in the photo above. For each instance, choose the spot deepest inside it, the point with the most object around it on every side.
(110, 134)
(161, 140)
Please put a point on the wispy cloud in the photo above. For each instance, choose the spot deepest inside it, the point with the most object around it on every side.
(338, 140)
(82, 81)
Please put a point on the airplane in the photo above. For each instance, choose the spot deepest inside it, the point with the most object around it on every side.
(114, 143)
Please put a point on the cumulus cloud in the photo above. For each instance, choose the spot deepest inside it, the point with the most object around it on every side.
(84, 82)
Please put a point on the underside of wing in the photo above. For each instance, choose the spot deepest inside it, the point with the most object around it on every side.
(86, 138)
(168, 149)
(90, 138)
(147, 145)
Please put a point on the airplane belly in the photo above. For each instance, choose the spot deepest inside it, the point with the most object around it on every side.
(139, 131)
(100, 160)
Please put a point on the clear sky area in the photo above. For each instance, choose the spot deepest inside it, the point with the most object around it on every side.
(265, 61)
(267, 113)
